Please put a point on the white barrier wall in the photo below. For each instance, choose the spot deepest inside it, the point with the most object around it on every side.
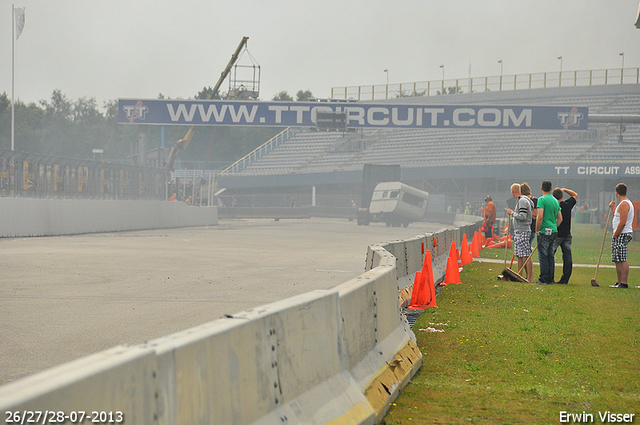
(381, 354)
(120, 379)
(279, 362)
(338, 356)
(48, 217)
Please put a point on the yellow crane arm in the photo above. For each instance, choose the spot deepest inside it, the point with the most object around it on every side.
(184, 142)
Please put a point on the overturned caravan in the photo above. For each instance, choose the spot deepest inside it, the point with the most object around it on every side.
(397, 204)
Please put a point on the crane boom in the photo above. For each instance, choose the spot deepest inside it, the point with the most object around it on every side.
(184, 142)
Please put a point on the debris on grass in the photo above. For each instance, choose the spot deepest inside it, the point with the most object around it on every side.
(431, 330)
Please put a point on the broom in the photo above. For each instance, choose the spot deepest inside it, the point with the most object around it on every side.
(513, 275)
(606, 227)
(507, 272)
(527, 260)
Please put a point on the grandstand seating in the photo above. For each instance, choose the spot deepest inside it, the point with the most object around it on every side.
(312, 151)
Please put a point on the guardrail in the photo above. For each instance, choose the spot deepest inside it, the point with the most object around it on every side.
(258, 152)
(485, 84)
(327, 356)
(29, 175)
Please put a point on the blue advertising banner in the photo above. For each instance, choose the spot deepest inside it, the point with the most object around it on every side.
(358, 115)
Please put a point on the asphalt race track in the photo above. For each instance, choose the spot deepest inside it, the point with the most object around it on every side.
(66, 297)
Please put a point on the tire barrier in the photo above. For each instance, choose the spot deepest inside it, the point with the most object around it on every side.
(52, 217)
(338, 356)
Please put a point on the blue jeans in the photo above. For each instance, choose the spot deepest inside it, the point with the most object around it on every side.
(567, 260)
(545, 257)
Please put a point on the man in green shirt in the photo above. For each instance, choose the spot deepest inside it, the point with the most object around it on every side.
(549, 218)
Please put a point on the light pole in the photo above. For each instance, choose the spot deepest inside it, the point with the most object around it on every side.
(386, 88)
(560, 58)
(442, 66)
(622, 68)
(500, 62)
(560, 75)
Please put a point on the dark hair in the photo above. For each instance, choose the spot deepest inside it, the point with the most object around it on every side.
(621, 189)
(557, 193)
(525, 189)
(546, 186)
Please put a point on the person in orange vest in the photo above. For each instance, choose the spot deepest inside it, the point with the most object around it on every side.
(489, 217)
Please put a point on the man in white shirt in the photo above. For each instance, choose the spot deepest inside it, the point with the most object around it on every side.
(622, 234)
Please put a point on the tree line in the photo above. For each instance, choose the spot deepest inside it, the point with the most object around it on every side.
(74, 128)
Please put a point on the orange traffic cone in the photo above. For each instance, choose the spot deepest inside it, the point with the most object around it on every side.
(497, 245)
(471, 242)
(453, 253)
(454, 259)
(475, 242)
(465, 257)
(452, 275)
(424, 294)
(417, 281)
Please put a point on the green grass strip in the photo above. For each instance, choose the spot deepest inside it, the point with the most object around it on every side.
(518, 353)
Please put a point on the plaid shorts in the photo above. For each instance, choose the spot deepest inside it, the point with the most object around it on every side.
(522, 244)
(619, 247)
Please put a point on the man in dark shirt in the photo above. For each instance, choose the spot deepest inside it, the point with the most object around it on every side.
(564, 231)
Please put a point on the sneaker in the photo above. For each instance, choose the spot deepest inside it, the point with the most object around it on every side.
(619, 285)
(562, 282)
(539, 282)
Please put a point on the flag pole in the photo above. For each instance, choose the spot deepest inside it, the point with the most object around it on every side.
(13, 71)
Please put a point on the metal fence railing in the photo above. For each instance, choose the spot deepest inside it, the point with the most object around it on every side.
(257, 153)
(484, 84)
(40, 176)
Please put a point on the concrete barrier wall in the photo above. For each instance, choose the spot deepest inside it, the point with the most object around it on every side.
(380, 349)
(49, 217)
(120, 379)
(329, 356)
(410, 253)
(275, 361)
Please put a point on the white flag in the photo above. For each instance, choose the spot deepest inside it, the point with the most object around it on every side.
(19, 11)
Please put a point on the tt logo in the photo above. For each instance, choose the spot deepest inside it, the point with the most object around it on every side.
(135, 112)
(570, 119)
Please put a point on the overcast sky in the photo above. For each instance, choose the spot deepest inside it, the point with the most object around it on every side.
(140, 48)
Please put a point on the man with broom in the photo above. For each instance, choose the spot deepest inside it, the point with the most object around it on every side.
(622, 234)
(521, 214)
